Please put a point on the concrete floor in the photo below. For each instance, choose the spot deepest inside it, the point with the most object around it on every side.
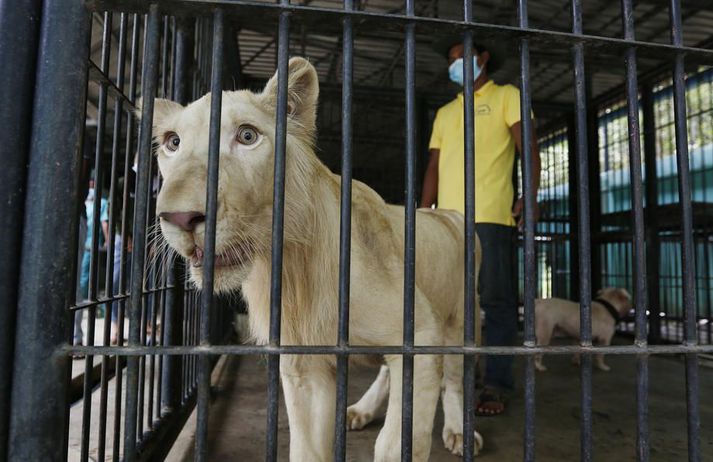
(237, 416)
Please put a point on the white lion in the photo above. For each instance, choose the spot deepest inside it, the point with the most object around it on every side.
(311, 266)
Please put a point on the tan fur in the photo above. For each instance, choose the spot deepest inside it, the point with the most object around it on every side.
(556, 315)
(310, 260)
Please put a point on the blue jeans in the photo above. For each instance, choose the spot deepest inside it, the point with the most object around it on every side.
(82, 286)
(498, 298)
(82, 296)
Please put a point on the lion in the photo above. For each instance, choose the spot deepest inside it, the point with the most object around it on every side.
(311, 264)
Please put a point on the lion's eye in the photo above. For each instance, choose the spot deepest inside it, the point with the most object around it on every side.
(247, 135)
(172, 142)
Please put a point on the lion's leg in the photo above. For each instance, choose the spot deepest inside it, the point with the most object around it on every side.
(372, 404)
(452, 396)
(426, 384)
(310, 397)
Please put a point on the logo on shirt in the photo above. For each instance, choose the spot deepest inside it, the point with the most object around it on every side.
(482, 109)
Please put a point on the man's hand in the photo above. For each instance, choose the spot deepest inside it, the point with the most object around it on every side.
(518, 211)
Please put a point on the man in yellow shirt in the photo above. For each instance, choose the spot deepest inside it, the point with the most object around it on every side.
(497, 134)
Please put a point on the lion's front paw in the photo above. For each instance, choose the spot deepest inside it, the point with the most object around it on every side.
(357, 419)
(454, 442)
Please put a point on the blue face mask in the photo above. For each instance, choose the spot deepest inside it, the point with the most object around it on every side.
(455, 70)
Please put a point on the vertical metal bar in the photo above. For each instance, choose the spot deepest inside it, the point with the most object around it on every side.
(687, 257)
(148, 90)
(574, 194)
(146, 278)
(19, 25)
(409, 236)
(39, 403)
(123, 280)
(146, 301)
(165, 38)
(585, 296)
(151, 321)
(594, 211)
(166, 51)
(706, 244)
(96, 230)
(653, 245)
(163, 295)
(174, 319)
(345, 231)
(530, 198)
(639, 255)
(157, 260)
(216, 94)
(278, 219)
(469, 334)
(113, 197)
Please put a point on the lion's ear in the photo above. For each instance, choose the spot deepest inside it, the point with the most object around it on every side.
(302, 92)
(162, 109)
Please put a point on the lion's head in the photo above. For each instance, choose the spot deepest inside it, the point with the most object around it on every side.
(245, 187)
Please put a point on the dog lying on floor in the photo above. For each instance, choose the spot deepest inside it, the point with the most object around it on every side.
(556, 315)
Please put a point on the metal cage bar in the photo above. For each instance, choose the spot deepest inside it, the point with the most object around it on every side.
(345, 228)
(19, 25)
(183, 382)
(278, 227)
(664, 349)
(530, 273)
(687, 258)
(113, 195)
(43, 285)
(96, 225)
(149, 81)
(409, 238)
(123, 279)
(585, 293)
(216, 92)
(470, 312)
(637, 206)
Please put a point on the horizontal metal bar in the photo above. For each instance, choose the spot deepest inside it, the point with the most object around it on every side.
(116, 298)
(329, 16)
(382, 350)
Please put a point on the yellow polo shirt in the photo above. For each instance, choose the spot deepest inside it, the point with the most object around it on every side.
(497, 108)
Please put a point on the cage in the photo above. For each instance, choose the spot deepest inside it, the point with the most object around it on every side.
(623, 100)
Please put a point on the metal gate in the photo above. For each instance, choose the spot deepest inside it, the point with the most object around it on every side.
(186, 52)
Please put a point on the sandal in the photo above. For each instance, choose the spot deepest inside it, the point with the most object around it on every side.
(490, 403)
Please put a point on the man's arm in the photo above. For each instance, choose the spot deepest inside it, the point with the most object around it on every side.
(105, 230)
(429, 194)
(517, 210)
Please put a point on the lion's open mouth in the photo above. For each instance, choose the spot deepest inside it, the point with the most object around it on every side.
(236, 257)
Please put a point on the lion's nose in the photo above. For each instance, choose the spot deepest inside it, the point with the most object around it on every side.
(187, 221)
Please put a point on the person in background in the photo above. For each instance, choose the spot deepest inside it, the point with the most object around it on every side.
(87, 249)
(497, 135)
(117, 269)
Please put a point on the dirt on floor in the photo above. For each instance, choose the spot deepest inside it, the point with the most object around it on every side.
(237, 416)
